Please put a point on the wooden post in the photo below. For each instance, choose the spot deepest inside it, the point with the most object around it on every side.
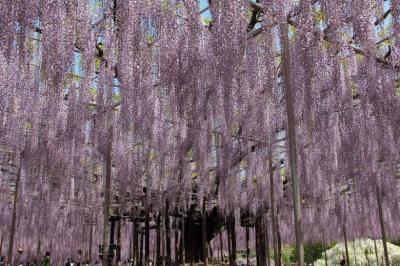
(147, 231)
(158, 239)
(247, 246)
(90, 242)
(228, 236)
(176, 238)
(221, 246)
(382, 225)
(345, 245)
(273, 215)
(163, 239)
(119, 240)
(191, 242)
(167, 234)
(14, 215)
(204, 231)
(267, 241)
(38, 246)
(233, 235)
(107, 198)
(141, 249)
(323, 240)
(136, 243)
(354, 251)
(291, 134)
(376, 252)
(112, 234)
(278, 239)
(257, 244)
(1, 243)
(183, 253)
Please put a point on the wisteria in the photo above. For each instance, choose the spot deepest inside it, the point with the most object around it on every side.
(154, 127)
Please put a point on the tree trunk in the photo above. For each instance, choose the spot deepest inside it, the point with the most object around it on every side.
(14, 216)
(382, 225)
(204, 231)
(261, 248)
(291, 133)
(107, 197)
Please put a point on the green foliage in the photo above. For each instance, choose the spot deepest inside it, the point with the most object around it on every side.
(116, 97)
(207, 21)
(312, 252)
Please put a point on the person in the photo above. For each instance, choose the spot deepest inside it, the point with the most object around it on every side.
(2, 261)
(46, 260)
(96, 263)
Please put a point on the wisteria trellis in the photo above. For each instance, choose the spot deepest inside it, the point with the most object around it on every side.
(189, 101)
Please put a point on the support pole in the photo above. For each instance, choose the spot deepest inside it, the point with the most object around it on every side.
(292, 142)
(1, 243)
(176, 238)
(141, 249)
(376, 252)
(14, 215)
(107, 198)
(119, 240)
(382, 225)
(183, 253)
(267, 241)
(228, 236)
(354, 252)
(233, 235)
(136, 243)
(273, 215)
(247, 246)
(90, 242)
(158, 240)
(204, 232)
(147, 231)
(221, 246)
(38, 246)
(345, 245)
(167, 234)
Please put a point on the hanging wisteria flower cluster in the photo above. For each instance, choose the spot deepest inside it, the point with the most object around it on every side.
(176, 105)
